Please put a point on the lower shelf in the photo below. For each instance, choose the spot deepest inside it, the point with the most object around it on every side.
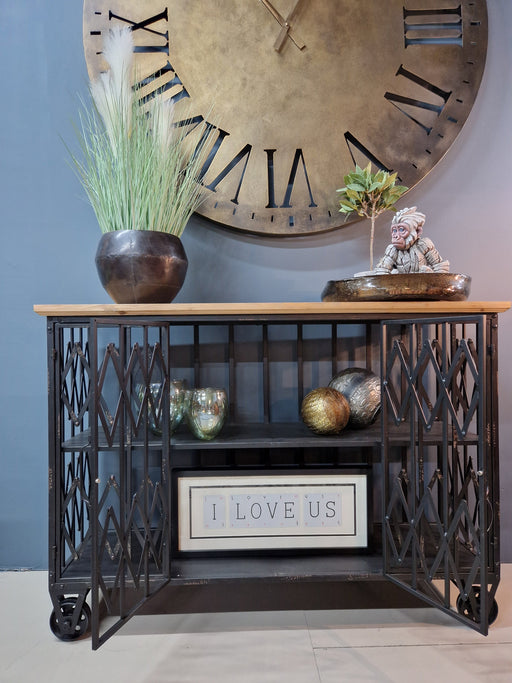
(273, 567)
(290, 568)
(319, 593)
(296, 568)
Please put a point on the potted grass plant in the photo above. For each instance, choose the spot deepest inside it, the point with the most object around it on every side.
(139, 168)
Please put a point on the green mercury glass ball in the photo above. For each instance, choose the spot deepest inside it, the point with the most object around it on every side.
(325, 411)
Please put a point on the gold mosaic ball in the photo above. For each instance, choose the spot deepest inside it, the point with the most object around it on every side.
(325, 411)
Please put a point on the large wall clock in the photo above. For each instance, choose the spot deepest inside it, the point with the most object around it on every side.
(303, 89)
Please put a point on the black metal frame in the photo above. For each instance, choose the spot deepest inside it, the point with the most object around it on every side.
(112, 531)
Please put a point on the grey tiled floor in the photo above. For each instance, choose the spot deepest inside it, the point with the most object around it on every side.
(301, 647)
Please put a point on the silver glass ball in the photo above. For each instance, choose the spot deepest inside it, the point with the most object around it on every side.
(361, 388)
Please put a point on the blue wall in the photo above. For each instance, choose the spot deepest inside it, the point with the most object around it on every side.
(49, 238)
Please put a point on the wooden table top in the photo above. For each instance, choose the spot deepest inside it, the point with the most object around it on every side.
(373, 309)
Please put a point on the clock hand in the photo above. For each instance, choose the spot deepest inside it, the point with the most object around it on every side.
(273, 11)
(285, 30)
(284, 23)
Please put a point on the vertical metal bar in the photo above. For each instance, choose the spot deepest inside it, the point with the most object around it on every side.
(334, 349)
(83, 387)
(197, 358)
(368, 346)
(82, 458)
(444, 356)
(422, 338)
(165, 336)
(300, 365)
(384, 352)
(265, 374)
(95, 559)
(66, 516)
(54, 335)
(460, 461)
(231, 372)
(300, 383)
(492, 503)
(404, 331)
(447, 353)
(124, 452)
(145, 485)
(61, 433)
(483, 463)
(413, 464)
(492, 466)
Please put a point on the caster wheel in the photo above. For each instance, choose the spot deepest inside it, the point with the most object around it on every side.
(465, 608)
(64, 630)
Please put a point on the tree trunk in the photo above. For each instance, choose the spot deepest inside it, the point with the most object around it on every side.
(372, 234)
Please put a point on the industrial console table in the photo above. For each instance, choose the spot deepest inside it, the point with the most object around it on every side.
(428, 520)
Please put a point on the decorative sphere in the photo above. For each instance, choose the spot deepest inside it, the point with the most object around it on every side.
(325, 411)
(361, 388)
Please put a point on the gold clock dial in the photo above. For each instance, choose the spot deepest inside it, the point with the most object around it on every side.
(297, 91)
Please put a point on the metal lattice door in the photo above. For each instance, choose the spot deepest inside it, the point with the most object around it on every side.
(130, 502)
(440, 526)
(109, 517)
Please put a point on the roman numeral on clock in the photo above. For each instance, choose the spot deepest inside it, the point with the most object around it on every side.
(214, 137)
(162, 81)
(241, 159)
(415, 104)
(165, 79)
(145, 26)
(298, 162)
(442, 26)
(357, 150)
(242, 156)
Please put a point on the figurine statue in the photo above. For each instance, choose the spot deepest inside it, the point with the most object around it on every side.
(409, 252)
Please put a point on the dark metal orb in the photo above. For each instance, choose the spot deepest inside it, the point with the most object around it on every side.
(141, 266)
(361, 388)
(325, 411)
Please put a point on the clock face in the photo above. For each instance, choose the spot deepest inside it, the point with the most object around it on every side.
(295, 92)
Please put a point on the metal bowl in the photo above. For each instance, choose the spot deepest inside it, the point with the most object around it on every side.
(400, 287)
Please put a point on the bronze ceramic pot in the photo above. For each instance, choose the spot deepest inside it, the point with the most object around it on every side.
(141, 266)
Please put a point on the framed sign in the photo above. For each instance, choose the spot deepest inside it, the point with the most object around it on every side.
(233, 512)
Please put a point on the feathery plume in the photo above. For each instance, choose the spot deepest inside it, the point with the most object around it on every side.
(139, 168)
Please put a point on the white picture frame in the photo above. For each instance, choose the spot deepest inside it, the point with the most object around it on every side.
(234, 512)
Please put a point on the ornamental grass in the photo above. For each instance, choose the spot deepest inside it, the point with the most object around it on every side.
(139, 164)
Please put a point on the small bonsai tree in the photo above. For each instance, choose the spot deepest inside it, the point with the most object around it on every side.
(369, 194)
